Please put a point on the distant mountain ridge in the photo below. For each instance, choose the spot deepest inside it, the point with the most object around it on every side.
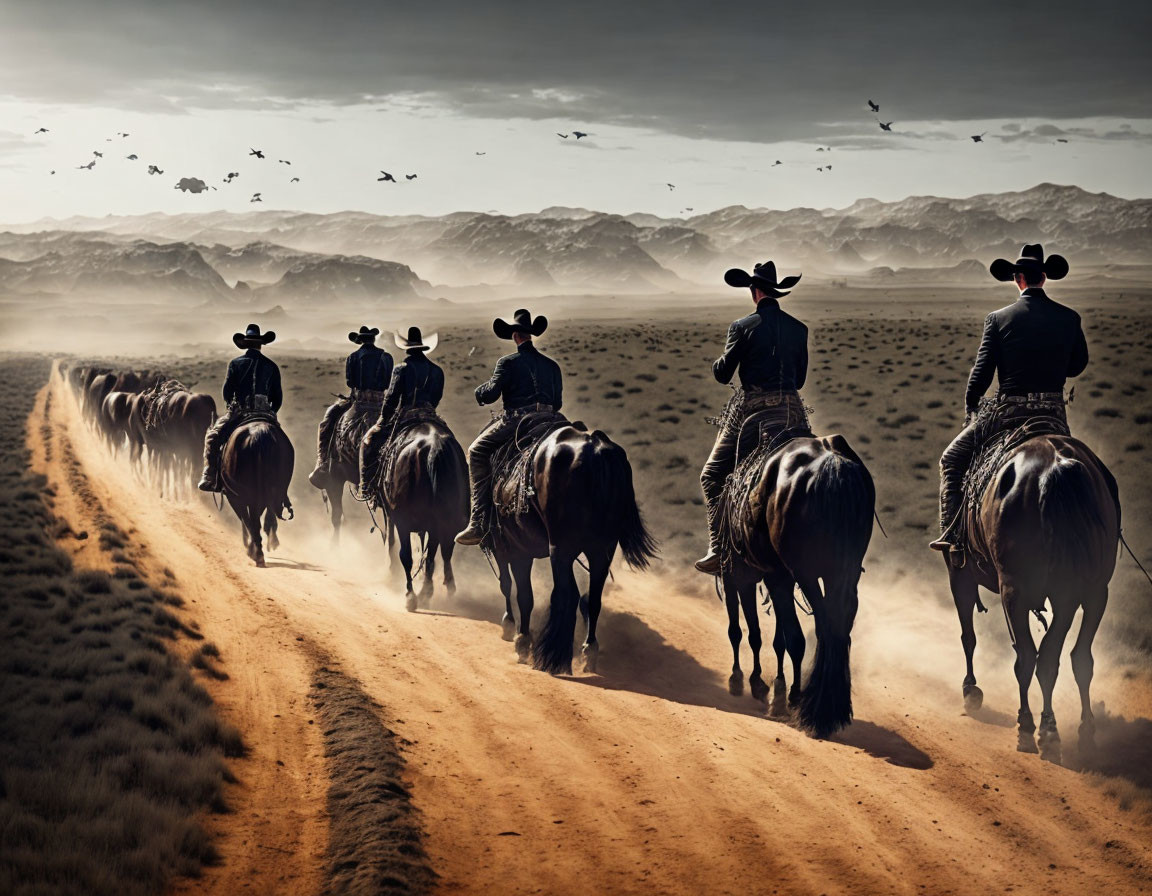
(295, 255)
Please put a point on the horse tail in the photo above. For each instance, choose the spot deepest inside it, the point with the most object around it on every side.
(1075, 532)
(842, 499)
(449, 487)
(611, 492)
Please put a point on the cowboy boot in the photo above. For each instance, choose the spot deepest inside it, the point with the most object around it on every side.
(369, 459)
(951, 484)
(481, 504)
(711, 563)
(210, 477)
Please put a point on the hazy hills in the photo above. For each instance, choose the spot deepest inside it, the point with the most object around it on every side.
(291, 256)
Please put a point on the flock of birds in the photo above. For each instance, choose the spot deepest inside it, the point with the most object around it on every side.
(196, 185)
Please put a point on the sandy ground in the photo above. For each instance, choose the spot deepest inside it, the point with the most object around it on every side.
(647, 777)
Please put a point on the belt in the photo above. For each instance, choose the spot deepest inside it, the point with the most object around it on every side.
(1032, 397)
(529, 409)
(771, 397)
(367, 395)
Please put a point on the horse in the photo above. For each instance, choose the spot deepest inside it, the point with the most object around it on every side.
(345, 459)
(1046, 527)
(805, 520)
(583, 503)
(113, 419)
(423, 489)
(255, 471)
(172, 422)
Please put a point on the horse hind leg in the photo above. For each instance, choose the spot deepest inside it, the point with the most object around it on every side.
(256, 546)
(755, 642)
(522, 573)
(1083, 666)
(508, 622)
(405, 538)
(598, 567)
(1047, 667)
(965, 594)
(789, 637)
(271, 529)
(431, 547)
(447, 547)
(1016, 613)
(735, 635)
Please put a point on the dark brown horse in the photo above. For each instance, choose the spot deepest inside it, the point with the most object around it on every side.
(345, 459)
(171, 422)
(424, 490)
(584, 503)
(805, 521)
(113, 419)
(255, 470)
(1046, 528)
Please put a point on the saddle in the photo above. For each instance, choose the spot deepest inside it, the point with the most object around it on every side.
(762, 434)
(403, 421)
(352, 426)
(512, 463)
(998, 435)
(157, 410)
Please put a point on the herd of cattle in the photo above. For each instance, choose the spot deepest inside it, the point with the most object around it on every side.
(145, 409)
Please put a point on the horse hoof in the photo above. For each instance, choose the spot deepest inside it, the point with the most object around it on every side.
(973, 699)
(1026, 743)
(759, 688)
(591, 657)
(523, 649)
(1050, 750)
(450, 588)
(410, 602)
(736, 684)
(508, 626)
(260, 563)
(425, 599)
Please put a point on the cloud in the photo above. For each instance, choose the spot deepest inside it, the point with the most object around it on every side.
(675, 67)
(1049, 133)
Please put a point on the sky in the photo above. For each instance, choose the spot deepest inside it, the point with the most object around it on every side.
(471, 98)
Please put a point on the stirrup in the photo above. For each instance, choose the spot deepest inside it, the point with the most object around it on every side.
(942, 544)
(473, 535)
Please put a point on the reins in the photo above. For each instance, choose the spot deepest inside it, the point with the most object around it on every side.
(1135, 559)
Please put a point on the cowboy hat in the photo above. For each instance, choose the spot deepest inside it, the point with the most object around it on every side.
(252, 337)
(416, 342)
(1031, 260)
(763, 277)
(364, 335)
(522, 322)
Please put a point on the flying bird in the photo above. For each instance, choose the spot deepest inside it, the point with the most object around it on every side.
(885, 126)
(283, 161)
(89, 166)
(819, 169)
(579, 134)
(41, 131)
(388, 177)
(777, 162)
(132, 158)
(875, 107)
(481, 153)
(152, 169)
(558, 134)
(121, 135)
(410, 177)
(231, 174)
(819, 149)
(53, 171)
(256, 152)
(978, 138)
(1061, 140)
(294, 180)
(255, 198)
(98, 155)
(670, 187)
(689, 209)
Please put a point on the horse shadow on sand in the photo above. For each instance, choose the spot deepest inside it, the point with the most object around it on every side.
(637, 658)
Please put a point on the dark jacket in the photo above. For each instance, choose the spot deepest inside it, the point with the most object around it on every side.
(1033, 345)
(524, 378)
(368, 367)
(769, 348)
(253, 374)
(416, 380)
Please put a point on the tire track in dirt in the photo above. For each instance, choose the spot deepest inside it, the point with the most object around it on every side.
(646, 778)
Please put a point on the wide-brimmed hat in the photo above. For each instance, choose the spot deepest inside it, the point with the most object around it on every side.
(764, 277)
(364, 335)
(415, 341)
(252, 337)
(1031, 261)
(522, 322)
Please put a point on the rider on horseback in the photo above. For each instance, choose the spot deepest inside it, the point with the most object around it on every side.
(252, 385)
(1033, 346)
(366, 372)
(770, 350)
(417, 384)
(530, 383)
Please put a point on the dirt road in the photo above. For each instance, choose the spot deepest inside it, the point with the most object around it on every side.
(647, 777)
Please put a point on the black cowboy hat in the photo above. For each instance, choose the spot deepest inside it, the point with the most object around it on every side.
(522, 322)
(763, 277)
(1031, 260)
(252, 337)
(415, 341)
(364, 335)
